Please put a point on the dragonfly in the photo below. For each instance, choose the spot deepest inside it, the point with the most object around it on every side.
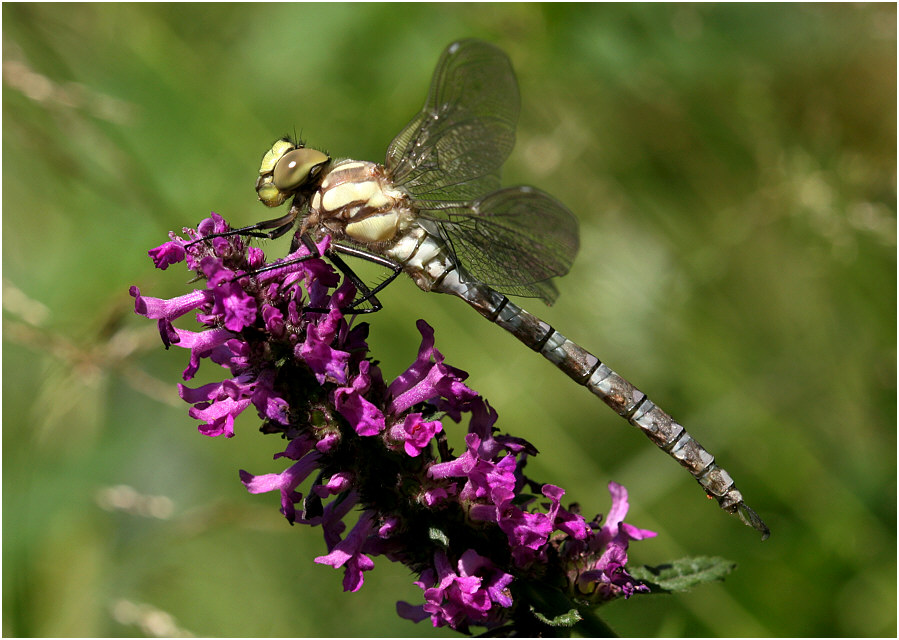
(436, 210)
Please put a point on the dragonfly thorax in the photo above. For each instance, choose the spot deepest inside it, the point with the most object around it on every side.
(357, 202)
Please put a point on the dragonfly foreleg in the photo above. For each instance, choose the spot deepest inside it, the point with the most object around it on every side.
(331, 255)
(286, 222)
(278, 226)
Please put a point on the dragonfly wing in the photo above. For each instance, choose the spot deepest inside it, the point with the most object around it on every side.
(514, 240)
(453, 149)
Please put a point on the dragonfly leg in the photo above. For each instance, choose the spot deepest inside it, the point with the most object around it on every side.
(313, 253)
(278, 226)
(368, 294)
(281, 225)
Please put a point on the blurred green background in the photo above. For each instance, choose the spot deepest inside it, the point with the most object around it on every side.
(734, 172)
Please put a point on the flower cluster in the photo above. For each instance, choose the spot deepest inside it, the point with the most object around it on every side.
(481, 536)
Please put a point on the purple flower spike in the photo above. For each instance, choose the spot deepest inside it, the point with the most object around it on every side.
(481, 536)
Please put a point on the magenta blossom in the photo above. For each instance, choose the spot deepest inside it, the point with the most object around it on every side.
(484, 539)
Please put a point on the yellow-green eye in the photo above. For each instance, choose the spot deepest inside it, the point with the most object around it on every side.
(295, 167)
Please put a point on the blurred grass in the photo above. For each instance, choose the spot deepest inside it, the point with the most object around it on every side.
(734, 171)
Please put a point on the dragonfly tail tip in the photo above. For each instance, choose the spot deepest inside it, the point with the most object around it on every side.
(752, 519)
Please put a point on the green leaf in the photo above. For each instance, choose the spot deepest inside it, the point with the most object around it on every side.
(683, 574)
(438, 536)
(567, 619)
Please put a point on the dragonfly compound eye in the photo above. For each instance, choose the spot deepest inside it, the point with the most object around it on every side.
(295, 168)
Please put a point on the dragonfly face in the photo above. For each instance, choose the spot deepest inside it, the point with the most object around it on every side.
(286, 169)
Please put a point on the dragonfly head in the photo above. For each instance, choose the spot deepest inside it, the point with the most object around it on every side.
(287, 168)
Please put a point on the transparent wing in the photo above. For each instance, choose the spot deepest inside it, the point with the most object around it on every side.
(453, 149)
(514, 240)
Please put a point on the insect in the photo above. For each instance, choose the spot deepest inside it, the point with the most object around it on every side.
(436, 210)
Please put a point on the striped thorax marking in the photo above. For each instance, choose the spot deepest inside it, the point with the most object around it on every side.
(356, 201)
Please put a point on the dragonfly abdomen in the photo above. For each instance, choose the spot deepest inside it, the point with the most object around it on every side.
(619, 394)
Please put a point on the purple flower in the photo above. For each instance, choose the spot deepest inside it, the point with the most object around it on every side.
(286, 482)
(466, 523)
(597, 564)
(429, 379)
(317, 352)
(339, 482)
(348, 554)
(238, 310)
(415, 433)
(167, 254)
(465, 595)
(490, 490)
(332, 517)
(365, 417)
